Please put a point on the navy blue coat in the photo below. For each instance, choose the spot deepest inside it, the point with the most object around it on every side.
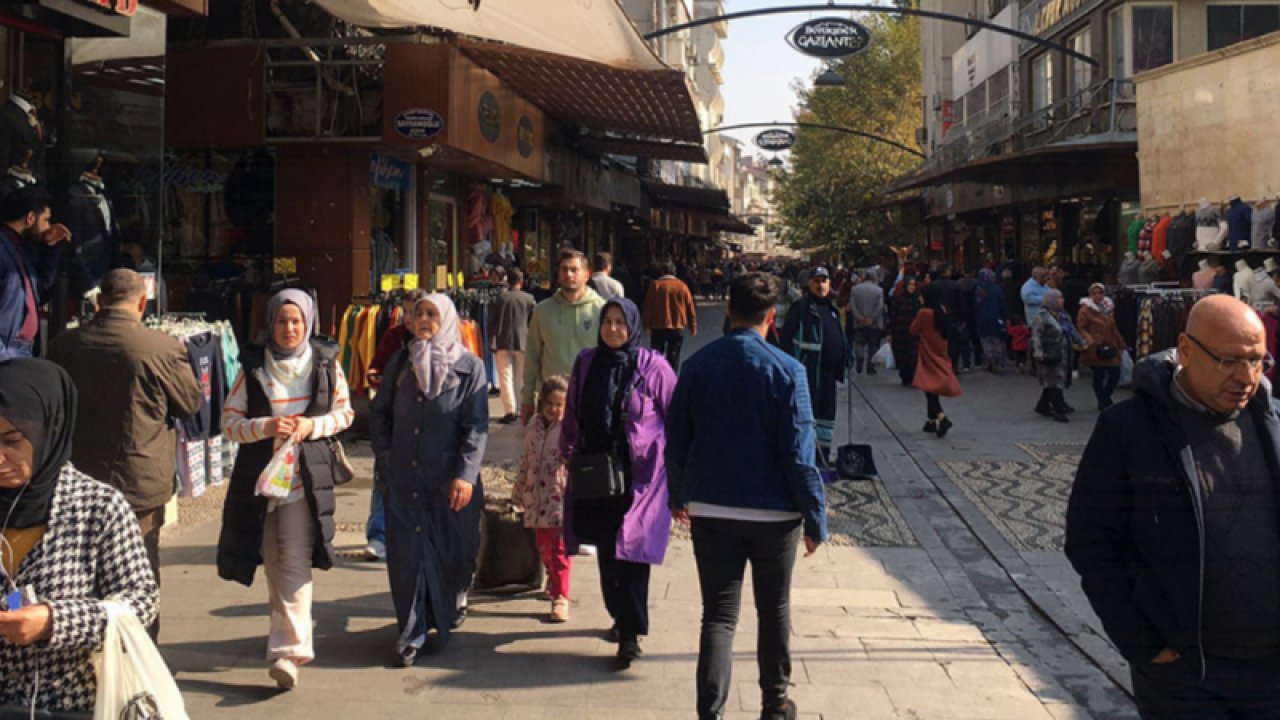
(992, 313)
(421, 445)
(1135, 517)
(13, 295)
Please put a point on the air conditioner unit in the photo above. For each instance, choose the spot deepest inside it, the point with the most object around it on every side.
(922, 136)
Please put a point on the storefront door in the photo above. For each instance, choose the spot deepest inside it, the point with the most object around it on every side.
(442, 240)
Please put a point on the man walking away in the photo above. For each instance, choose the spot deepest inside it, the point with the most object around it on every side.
(562, 326)
(740, 470)
(24, 225)
(1174, 522)
(813, 335)
(131, 382)
(509, 316)
(866, 312)
(602, 281)
(668, 310)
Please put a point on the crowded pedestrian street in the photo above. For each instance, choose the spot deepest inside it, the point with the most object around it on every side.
(942, 593)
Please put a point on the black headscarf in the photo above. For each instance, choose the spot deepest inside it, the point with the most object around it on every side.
(39, 399)
(931, 295)
(610, 369)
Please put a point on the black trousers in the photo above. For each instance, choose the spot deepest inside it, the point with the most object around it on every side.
(625, 586)
(933, 404)
(668, 342)
(722, 549)
(1231, 689)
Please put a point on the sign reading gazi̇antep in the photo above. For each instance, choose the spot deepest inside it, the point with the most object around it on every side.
(829, 37)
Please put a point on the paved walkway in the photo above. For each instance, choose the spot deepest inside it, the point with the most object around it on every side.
(915, 611)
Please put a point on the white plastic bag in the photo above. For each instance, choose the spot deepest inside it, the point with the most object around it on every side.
(276, 479)
(1126, 369)
(133, 680)
(884, 356)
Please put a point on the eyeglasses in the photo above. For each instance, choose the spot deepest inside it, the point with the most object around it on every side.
(1231, 365)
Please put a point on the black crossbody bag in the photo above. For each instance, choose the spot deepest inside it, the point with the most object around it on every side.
(593, 476)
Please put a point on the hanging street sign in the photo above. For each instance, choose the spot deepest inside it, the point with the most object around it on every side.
(775, 140)
(829, 37)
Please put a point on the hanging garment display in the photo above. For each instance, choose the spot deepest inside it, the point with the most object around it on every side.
(1239, 224)
(94, 232)
(1211, 229)
(21, 139)
(1263, 227)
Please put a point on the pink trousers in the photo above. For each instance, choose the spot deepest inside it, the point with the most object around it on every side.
(551, 548)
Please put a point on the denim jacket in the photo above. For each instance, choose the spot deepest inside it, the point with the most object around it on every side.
(13, 294)
(740, 432)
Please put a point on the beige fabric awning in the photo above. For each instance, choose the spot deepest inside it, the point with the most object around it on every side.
(598, 31)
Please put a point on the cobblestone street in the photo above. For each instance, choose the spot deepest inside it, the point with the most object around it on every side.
(942, 595)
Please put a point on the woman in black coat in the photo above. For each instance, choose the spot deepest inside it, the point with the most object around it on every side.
(903, 307)
(291, 387)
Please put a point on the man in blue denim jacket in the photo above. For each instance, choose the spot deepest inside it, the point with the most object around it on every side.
(741, 470)
(24, 225)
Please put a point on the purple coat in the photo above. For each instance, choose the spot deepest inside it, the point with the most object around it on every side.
(646, 527)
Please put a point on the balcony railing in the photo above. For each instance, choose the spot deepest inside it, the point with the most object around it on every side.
(1106, 111)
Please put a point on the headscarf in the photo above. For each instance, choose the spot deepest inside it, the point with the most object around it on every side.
(304, 303)
(1108, 305)
(610, 369)
(986, 281)
(39, 399)
(431, 359)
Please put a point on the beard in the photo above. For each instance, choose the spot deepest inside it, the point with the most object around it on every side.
(31, 237)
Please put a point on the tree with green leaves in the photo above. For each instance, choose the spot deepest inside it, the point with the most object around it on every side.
(827, 195)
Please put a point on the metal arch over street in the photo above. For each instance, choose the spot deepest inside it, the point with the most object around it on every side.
(818, 126)
(888, 10)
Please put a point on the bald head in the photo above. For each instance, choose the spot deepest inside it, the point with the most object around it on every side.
(1220, 353)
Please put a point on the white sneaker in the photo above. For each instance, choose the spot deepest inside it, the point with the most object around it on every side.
(587, 549)
(285, 673)
(376, 550)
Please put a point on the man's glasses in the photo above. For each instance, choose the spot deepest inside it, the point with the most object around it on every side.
(1231, 365)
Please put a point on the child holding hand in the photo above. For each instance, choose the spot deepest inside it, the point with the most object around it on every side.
(540, 488)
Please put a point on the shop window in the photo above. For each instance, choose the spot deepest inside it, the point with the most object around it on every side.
(1230, 24)
(1042, 82)
(1116, 40)
(1081, 72)
(1153, 36)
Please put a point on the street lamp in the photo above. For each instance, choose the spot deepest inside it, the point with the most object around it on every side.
(775, 163)
(829, 78)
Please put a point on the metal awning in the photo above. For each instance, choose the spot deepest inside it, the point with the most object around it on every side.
(652, 103)
(665, 195)
(1033, 161)
(640, 147)
(733, 225)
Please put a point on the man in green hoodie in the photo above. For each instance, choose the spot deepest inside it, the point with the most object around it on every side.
(563, 326)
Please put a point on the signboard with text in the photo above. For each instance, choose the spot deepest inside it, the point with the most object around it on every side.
(829, 37)
(775, 140)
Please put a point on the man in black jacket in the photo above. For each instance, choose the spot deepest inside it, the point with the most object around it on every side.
(814, 335)
(1174, 523)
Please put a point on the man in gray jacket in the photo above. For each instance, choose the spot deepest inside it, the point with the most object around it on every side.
(509, 316)
(866, 319)
(131, 382)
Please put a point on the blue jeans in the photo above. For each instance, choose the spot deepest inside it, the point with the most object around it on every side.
(377, 526)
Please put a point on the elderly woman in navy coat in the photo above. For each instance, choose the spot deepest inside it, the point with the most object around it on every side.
(429, 425)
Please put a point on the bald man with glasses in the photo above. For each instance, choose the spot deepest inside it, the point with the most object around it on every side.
(1174, 523)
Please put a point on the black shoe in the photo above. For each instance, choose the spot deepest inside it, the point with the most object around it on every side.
(1044, 410)
(1060, 417)
(944, 426)
(407, 657)
(1067, 409)
(494, 392)
(458, 619)
(508, 419)
(930, 427)
(786, 710)
(612, 635)
(629, 651)
(858, 367)
(871, 370)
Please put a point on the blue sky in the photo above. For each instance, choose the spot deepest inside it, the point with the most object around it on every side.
(759, 65)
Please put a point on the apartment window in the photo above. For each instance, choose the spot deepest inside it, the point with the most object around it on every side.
(998, 88)
(1152, 36)
(1230, 24)
(1081, 72)
(1042, 82)
(1116, 39)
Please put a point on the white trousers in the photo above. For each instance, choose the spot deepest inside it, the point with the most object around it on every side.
(287, 545)
(510, 367)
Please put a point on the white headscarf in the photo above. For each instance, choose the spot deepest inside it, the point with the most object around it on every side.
(432, 358)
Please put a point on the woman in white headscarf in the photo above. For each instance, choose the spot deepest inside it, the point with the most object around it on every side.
(429, 424)
(291, 386)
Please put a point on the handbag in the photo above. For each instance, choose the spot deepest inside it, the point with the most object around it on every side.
(1107, 352)
(133, 680)
(593, 476)
(343, 473)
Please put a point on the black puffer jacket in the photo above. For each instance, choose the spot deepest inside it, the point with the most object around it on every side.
(1135, 518)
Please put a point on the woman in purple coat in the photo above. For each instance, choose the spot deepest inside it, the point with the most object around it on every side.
(618, 397)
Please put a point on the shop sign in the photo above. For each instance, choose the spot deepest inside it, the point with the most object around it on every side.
(524, 136)
(1045, 15)
(121, 7)
(419, 124)
(829, 37)
(489, 115)
(389, 173)
(775, 140)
